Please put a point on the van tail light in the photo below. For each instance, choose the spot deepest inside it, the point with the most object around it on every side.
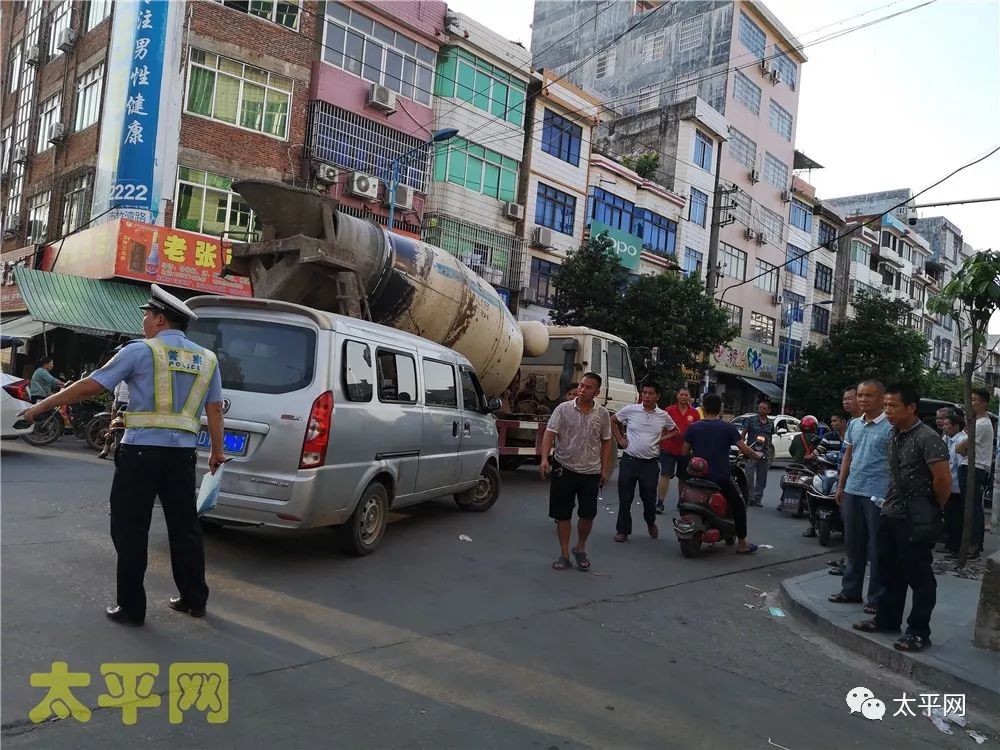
(19, 389)
(317, 432)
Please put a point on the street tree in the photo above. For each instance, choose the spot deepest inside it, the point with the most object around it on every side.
(875, 343)
(970, 299)
(590, 285)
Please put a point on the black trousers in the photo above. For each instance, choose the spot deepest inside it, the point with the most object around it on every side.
(904, 564)
(737, 505)
(954, 511)
(645, 473)
(142, 473)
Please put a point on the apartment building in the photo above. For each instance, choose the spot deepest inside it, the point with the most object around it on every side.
(473, 208)
(740, 60)
(946, 256)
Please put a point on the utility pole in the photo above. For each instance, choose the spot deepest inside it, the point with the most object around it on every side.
(711, 271)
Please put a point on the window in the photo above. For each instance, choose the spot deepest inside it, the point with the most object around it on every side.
(746, 92)
(769, 282)
(653, 44)
(793, 307)
(207, 204)
(691, 33)
(282, 13)
(605, 64)
(698, 207)
(752, 36)
(800, 215)
(691, 262)
(861, 253)
(775, 171)
(824, 278)
(397, 378)
(828, 236)
(820, 319)
(761, 329)
(487, 87)
(596, 363)
(733, 262)
(555, 209)
(772, 224)
(742, 148)
(473, 398)
(58, 23)
(561, 138)
(906, 251)
(888, 240)
(789, 350)
(618, 364)
(733, 313)
(6, 144)
(658, 233)
(797, 261)
(611, 209)
(14, 66)
(88, 97)
(439, 384)
(542, 281)
(38, 218)
(240, 95)
(780, 120)
(476, 168)
(649, 98)
(788, 70)
(703, 150)
(76, 203)
(97, 12)
(48, 115)
(357, 371)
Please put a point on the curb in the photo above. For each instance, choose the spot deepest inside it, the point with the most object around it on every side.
(884, 654)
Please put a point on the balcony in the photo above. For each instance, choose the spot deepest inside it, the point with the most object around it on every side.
(889, 256)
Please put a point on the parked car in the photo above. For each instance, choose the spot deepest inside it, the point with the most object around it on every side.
(786, 427)
(14, 399)
(330, 420)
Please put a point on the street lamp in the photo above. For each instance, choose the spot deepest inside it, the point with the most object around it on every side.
(399, 162)
(788, 346)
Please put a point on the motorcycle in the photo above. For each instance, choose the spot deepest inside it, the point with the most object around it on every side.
(795, 483)
(704, 512)
(822, 498)
(105, 427)
(49, 427)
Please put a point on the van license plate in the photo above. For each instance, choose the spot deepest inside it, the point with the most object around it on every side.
(234, 442)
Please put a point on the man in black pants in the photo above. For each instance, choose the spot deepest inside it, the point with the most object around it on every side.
(710, 438)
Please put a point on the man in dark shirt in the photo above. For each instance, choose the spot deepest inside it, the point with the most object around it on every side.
(918, 473)
(759, 433)
(710, 438)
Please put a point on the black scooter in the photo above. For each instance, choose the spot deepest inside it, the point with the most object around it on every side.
(822, 498)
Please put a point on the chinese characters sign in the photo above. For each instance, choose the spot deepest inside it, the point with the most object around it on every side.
(747, 358)
(173, 257)
(132, 188)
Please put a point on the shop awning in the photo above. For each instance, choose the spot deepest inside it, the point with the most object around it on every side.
(23, 327)
(766, 387)
(89, 305)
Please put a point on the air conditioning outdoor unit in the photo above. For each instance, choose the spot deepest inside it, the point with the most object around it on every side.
(57, 133)
(404, 196)
(541, 237)
(761, 239)
(786, 196)
(529, 294)
(513, 211)
(382, 98)
(66, 40)
(776, 76)
(32, 55)
(363, 186)
(776, 299)
(749, 234)
(20, 154)
(754, 175)
(766, 67)
(325, 173)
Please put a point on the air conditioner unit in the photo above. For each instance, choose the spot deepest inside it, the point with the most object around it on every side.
(529, 294)
(20, 154)
(786, 196)
(513, 211)
(541, 237)
(749, 234)
(766, 67)
(831, 245)
(776, 299)
(754, 175)
(761, 239)
(66, 40)
(404, 196)
(325, 173)
(363, 186)
(776, 76)
(57, 132)
(33, 55)
(382, 98)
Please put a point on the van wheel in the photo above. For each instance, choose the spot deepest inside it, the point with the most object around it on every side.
(366, 527)
(481, 497)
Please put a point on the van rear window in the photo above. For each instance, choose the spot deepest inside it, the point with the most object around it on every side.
(258, 356)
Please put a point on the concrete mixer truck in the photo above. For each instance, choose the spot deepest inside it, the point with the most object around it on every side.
(313, 255)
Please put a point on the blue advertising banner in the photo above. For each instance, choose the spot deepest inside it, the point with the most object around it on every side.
(132, 188)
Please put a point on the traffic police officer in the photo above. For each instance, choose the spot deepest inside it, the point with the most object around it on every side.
(171, 381)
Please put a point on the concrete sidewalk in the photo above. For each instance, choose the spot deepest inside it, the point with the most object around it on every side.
(952, 664)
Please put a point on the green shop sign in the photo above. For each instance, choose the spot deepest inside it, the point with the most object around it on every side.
(628, 246)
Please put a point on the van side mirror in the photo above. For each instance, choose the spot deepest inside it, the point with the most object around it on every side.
(781, 431)
(493, 404)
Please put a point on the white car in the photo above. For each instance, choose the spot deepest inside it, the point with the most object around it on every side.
(13, 400)
(785, 429)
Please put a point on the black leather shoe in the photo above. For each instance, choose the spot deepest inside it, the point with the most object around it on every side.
(117, 614)
(178, 604)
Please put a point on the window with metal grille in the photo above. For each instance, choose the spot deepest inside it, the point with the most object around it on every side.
(698, 207)
(487, 87)
(746, 92)
(77, 197)
(797, 261)
(827, 235)
(605, 64)
(37, 230)
(742, 149)
(649, 98)
(561, 137)
(733, 262)
(282, 13)
(476, 168)
(734, 313)
(780, 120)
(800, 215)
(555, 209)
(775, 171)
(653, 45)
(820, 319)
(58, 23)
(772, 225)
(752, 36)
(542, 281)
(691, 33)
(496, 256)
(48, 115)
(788, 70)
(349, 140)
(769, 281)
(761, 329)
(88, 97)
(206, 203)
(824, 278)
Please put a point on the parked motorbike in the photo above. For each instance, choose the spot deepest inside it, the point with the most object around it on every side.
(795, 483)
(79, 416)
(105, 427)
(49, 427)
(705, 517)
(822, 498)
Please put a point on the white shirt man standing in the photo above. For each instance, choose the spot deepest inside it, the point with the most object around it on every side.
(983, 457)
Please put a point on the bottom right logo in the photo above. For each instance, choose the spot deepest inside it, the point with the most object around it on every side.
(862, 700)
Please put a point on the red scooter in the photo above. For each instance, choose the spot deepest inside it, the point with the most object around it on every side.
(705, 517)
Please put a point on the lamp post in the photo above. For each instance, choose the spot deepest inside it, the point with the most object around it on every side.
(401, 161)
(788, 346)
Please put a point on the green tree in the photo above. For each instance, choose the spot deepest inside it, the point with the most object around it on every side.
(970, 299)
(644, 165)
(941, 385)
(875, 343)
(589, 286)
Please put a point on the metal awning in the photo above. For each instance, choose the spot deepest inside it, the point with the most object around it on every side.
(24, 327)
(89, 305)
(766, 387)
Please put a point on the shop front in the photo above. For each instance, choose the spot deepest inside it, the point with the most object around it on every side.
(743, 372)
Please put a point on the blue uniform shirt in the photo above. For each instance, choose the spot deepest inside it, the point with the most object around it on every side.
(869, 441)
(134, 365)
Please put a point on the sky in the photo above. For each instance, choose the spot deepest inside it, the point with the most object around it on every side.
(899, 104)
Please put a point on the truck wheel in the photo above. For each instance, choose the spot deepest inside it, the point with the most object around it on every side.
(481, 497)
(824, 532)
(691, 547)
(366, 527)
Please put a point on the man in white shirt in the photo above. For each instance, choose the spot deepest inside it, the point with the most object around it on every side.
(646, 425)
(983, 458)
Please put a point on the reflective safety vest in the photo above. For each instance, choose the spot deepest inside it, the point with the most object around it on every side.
(167, 360)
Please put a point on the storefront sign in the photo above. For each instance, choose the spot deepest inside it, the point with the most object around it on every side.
(747, 358)
(628, 246)
(10, 296)
(175, 258)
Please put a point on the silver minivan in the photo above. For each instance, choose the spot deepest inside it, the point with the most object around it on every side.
(332, 421)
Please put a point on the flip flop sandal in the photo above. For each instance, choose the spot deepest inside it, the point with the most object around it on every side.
(870, 626)
(911, 643)
(870, 609)
(839, 598)
(621, 537)
(748, 551)
(562, 563)
(582, 559)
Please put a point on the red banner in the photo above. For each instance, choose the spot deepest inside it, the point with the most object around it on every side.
(173, 257)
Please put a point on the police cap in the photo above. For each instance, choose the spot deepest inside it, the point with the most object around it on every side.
(163, 302)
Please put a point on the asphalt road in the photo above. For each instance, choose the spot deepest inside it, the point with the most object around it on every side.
(432, 642)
